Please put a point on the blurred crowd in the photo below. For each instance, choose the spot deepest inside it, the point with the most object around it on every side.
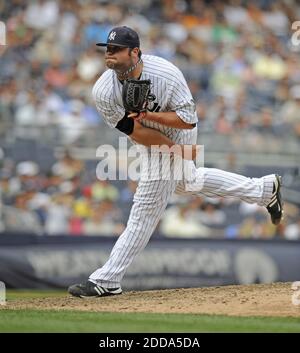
(69, 199)
(237, 56)
(66, 200)
(241, 66)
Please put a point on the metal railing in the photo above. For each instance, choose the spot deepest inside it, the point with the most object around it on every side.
(248, 148)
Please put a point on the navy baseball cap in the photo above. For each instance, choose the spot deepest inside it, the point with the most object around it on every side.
(122, 37)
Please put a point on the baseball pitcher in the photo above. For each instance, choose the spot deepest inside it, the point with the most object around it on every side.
(147, 98)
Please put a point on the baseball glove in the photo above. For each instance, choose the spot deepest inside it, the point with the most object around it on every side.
(136, 95)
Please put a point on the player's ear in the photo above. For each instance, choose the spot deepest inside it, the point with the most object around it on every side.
(134, 52)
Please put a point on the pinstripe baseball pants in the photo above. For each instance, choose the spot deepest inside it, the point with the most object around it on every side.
(150, 201)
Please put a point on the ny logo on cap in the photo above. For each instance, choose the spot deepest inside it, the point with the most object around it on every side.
(112, 36)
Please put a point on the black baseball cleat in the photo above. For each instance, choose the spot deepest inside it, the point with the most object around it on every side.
(275, 206)
(92, 290)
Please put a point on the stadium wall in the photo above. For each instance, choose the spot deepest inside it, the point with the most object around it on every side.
(28, 261)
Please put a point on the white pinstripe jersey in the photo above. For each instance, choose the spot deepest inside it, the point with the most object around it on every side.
(152, 195)
(168, 85)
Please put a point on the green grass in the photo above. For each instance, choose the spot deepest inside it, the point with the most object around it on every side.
(78, 321)
(30, 294)
(75, 321)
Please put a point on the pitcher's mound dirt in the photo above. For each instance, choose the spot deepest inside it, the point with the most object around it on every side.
(251, 300)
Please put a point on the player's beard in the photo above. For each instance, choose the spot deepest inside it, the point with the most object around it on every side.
(120, 68)
(111, 64)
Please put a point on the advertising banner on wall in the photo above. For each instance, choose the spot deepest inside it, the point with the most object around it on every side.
(57, 262)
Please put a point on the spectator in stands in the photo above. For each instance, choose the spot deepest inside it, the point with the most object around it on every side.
(67, 167)
(252, 227)
(105, 220)
(292, 231)
(56, 76)
(181, 221)
(18, 217)
(42, 14)
(104, 190)
(58, 213)
(211, 214)
(290, 109)
(73, 123)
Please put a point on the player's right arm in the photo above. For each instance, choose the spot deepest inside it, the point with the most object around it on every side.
(141, 134)
(150, 137)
